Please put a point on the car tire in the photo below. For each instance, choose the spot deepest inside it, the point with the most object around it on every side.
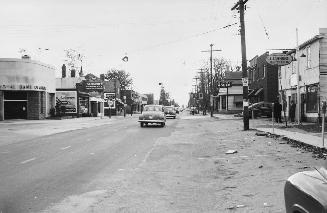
(162, 124)
(141, 124)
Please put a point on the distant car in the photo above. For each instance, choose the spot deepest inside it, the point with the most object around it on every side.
(306, 192)
(152, 114)
(260, 109)
(170, 112)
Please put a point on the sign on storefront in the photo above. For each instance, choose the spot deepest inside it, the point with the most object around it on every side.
(68, 100)
(109, 95)
(94, 86)
(225, 84)
(279, 59)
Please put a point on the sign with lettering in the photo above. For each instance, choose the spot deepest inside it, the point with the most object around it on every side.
(68, 99)
(22, 87)
(94, 86)
(279, 59)
(109, 95)
(225, 84)
(245, 82)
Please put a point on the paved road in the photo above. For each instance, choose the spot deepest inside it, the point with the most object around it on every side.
(37, 172)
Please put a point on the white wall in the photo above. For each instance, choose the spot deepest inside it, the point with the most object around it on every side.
(25, 74)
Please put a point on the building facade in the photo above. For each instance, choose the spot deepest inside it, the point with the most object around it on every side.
(27, 89)
(311, 61)
(231, 98)
(263, 80)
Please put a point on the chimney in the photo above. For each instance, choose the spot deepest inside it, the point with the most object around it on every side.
(102, 77)
(63, 71)
(73, 73)
(81, 74)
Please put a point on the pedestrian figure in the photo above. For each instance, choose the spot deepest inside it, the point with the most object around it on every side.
(292, 111)
(278, 112)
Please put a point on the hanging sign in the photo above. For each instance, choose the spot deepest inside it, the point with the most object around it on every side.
(279, 59)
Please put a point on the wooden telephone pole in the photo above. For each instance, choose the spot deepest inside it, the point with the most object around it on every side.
(211, 82)
(240, 6)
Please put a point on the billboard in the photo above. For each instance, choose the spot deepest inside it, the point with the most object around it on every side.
(68, 99)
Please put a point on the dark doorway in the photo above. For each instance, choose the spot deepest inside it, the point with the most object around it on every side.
(15, 109)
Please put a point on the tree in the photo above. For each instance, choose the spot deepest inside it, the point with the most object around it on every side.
(124, 78)
(164, 96)
(74, 58)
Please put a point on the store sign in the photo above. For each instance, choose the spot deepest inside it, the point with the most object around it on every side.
(22, 87)
(245, 82)
(225, 84)
(67, 99)
(94, 86)
(279, 59)
(109, 95)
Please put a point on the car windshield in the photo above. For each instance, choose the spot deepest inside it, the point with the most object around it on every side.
(152, 108)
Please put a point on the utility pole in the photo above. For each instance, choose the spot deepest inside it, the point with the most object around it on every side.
(211, 83)
(204, 88)
(240, 6)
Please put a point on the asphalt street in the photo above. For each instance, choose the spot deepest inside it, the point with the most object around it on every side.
(38, 172)
(108, 165)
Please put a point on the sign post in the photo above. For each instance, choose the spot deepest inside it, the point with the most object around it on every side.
(323, 109)
(272, 117)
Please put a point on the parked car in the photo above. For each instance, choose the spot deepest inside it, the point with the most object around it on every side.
(260, 109)
(152, 114)
(306, 192)
(170, 112)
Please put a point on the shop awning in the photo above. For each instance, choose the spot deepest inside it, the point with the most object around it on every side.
(258, 92)
(83, 94)
(252, 93)
(119, 101)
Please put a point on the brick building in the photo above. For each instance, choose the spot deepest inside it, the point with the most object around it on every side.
(27, 89)
(263, 80)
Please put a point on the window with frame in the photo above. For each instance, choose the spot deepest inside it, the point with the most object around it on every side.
(308, 50)
(312, 99)
(238, 101)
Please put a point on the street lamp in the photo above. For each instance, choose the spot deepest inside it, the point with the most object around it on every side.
(298, 93)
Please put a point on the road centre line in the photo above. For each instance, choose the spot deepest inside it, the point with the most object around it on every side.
(67, 147)
(26, 161)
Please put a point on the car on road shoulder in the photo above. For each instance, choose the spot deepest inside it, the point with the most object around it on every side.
(170, 112)
(152, 114)
(260, 109)
(306, 192)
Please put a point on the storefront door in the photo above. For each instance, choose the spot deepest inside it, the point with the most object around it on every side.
(15, 109)
(15, 105)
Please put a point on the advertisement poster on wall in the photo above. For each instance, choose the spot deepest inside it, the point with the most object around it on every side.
(67, 100)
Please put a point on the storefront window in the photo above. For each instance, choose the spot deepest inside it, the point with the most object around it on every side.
(312, 99)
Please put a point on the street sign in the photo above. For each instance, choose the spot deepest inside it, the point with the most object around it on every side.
(245, 82)
(225, 84)
(111, 104)
(280, 59)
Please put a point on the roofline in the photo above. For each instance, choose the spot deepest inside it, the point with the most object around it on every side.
(306, 43)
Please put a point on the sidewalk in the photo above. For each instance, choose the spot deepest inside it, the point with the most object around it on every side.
(17, 130)
(291, 132)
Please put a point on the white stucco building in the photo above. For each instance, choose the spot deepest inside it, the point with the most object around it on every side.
(312, 59)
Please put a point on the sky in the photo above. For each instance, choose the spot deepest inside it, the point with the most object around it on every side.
(163, 39)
